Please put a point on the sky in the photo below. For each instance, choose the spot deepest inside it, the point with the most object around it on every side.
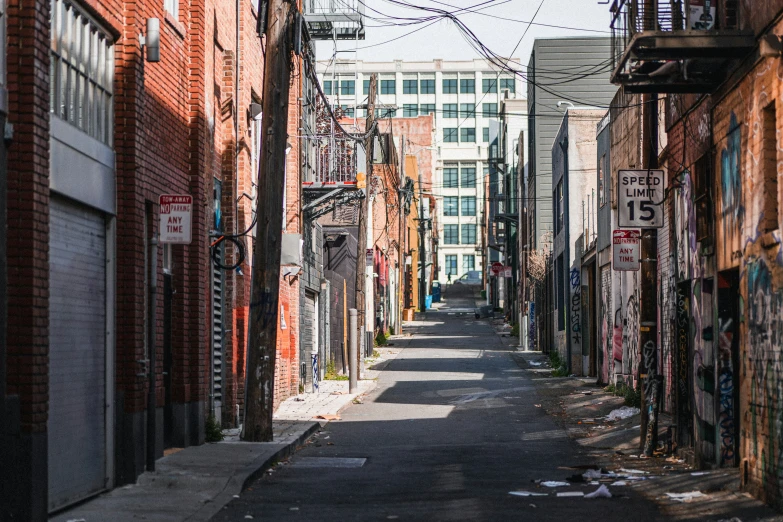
(499, 26)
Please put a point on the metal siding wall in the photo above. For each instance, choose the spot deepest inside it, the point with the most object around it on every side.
(606, 321)
(667, 307)
(77, 353)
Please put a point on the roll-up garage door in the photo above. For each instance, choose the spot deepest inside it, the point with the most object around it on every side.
(77, 353)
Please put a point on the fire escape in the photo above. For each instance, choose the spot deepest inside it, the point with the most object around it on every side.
(676, 46)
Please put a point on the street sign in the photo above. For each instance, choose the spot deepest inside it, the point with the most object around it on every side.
(625, 250)
(507, 272)
(369, 257)
(640, 196)
(496, 268)
(176, 211)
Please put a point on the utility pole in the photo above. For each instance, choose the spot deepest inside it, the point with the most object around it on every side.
(422, 251)
(648, 310)
(361, 254)
(265, 285)
(401, 238)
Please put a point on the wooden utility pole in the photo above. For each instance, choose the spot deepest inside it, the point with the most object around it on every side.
(401, 238)
(648, 310)
(422, 250)
(265, 286)
(361, 249)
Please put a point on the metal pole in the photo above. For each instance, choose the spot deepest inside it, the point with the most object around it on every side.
(422, 251)
(151, 356)
(648, 310)
(353, 333)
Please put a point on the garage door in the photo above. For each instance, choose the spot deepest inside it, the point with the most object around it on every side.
(77, 353)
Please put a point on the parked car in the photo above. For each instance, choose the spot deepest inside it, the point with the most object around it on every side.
(472, 277)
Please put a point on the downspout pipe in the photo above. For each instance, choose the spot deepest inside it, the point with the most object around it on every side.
(567, 248)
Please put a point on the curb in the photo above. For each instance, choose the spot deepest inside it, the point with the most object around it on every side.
(240, 480)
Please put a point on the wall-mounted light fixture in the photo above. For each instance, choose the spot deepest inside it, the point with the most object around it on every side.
(152, 40)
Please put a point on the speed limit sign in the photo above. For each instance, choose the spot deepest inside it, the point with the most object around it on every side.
(640, 198)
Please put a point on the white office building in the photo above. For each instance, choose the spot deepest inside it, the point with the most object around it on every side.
(464, 96)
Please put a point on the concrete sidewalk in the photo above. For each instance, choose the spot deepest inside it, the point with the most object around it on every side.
(194, 483)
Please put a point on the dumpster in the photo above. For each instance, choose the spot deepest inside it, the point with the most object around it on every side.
(436, 292)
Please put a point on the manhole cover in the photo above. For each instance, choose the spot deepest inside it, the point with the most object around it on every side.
(328, 462)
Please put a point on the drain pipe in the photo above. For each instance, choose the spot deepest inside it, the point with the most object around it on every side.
(151, 398)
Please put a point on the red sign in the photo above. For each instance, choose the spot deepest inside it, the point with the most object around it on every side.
(175, 218)
(625, 247)
(496, 268)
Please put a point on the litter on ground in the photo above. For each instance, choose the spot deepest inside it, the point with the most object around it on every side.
(554, 484)
(619, 483)
(685, 497)
(601, 492)
(534, 363)
(622, 413)
(527, 494)
(571, 494)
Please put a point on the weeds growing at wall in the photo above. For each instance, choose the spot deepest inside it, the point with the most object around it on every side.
(332, 375)
(633, 397)
(559, 368)
(212, 429)
(515, 330)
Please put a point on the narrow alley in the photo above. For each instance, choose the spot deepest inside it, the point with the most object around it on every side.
(452, 427)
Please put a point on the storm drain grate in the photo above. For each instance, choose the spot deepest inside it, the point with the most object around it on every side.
(328, 462)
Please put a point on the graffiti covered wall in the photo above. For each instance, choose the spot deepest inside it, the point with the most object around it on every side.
(747, 166)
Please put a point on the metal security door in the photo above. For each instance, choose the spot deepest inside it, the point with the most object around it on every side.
(308, 338)
(77, 353)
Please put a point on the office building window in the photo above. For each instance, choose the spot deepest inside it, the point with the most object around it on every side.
(451, 265)
(427, 86)
(347, 110)
(366, 87)
(410, 110)
(467, 110)
(508, 84)
(468, 234)
(450, 206)
(468, 177)
(450, 110)
(469, 206)
(451, 234)
(450, 86)
(426, 108)
(327, 87)
(489, 110)
(450, 179)
(385, 112)
(489, 85)
(347, 87)
(388, 87)
(468, 263)
(450, 135)
(467, 86)
(410, 86)
(485, 134)
(467, 135)
(601, 189)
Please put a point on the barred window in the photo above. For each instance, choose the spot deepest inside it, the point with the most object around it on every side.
(81, 72)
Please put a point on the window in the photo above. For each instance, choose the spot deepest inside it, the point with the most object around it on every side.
(485, 134)
(769, 156)
(468, 263)
(451, 234)
(172, 7)
(81, 82)
(450, 135)
(388, 87)
(601, 188)
(489, 85)
(489, 110)
(468, 177)
(451, 265)
(467, 110)
(468, 135)
(327, 87)
(366, 87)
(450, 86)
(347, 110)
(385, 112)
(410, 87)
(450, 177)
(450, 110)
(347, 87)
(426, 108)
(427, 86)
(450, 206)
(559, 205)
(469, 206)
(410, 110)
(468, 234)
(508, 84)
(560, 279)
(467, 86)
(702, 200)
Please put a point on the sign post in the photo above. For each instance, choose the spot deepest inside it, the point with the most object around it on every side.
(176, 213)
(640, 198)
(625, 250)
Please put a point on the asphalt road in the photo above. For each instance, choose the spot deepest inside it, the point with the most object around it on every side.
(450, 430)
